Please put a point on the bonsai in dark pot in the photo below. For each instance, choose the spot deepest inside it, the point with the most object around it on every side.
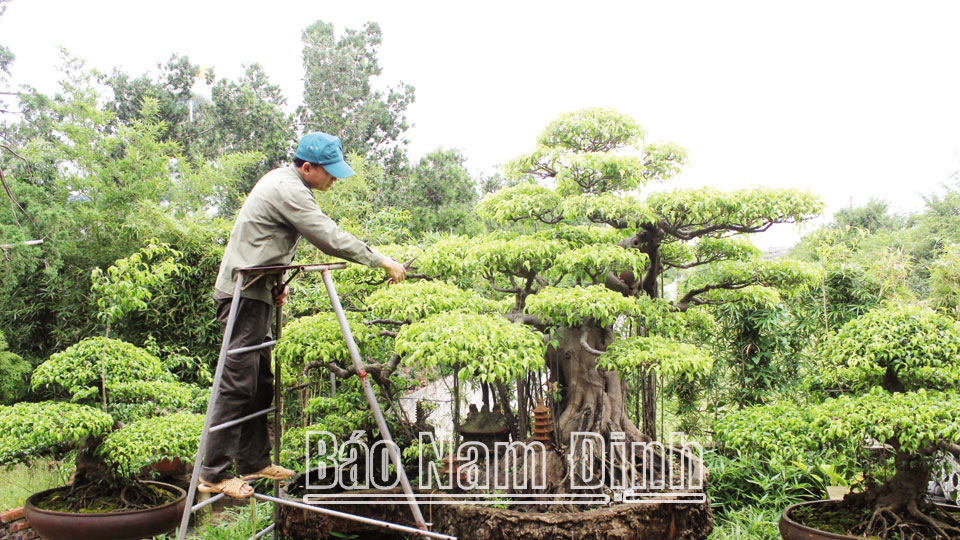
(885, 403)
(121, 410)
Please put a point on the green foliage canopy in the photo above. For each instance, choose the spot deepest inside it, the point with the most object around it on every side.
(897, 347)
(149, 440)
(29, 429)
(77, 368)
(487, 347)
(670, 357)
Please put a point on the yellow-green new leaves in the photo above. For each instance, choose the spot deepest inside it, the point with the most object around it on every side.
(169, 395)
(688, 212)
(672, 358)
(580, 305)
(31, 428)
(627, 211)
(414, 300)
(126, 285)
(522, 201)
(596, 151)
(597, 172)
(147, 441)
(486, 347)
(787, 431)
(789, 276)
(520, 256)
(577, 236)
(920, 346)
(317, 338)
(78, 368)
(594, 262)
(708, 249)
(591, 129)
(916, 420)
(446, 258)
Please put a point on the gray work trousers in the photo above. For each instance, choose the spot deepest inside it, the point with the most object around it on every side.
(245, 388)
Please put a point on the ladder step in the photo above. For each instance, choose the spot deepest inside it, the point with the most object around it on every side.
(211, 500)
(265, 530)
(263, 345)
(225, 425)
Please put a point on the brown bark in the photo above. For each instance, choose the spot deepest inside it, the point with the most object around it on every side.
(593, 399)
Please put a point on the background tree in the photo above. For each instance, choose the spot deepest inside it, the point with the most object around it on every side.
(339, 95)
(440, 194)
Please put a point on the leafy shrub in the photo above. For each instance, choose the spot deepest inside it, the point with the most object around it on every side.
(13, 374)
(147, 441)
(488, 347)
(80, 366)
(575, 306)
(898, 347)
(28, 429)
(672, 358)
(414, 300)
(317, 339)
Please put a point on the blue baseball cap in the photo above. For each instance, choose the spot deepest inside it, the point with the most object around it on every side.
(325, 150)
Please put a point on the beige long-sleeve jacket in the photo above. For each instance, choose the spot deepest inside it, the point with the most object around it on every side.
(278, 211)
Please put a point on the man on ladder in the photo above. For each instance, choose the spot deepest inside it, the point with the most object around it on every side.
(278, 211)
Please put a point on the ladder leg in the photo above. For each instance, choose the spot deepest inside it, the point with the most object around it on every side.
(214, 392)
(278, 403)
(372, 398)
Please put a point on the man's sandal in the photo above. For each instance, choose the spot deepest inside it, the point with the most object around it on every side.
(231, 487)
(270, 472)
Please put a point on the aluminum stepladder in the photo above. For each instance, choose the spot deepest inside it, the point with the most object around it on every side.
(255, 273)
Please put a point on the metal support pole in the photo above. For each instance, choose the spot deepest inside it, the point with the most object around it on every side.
(369, 521)
(277, 403)
(214, 392)
(372, 398)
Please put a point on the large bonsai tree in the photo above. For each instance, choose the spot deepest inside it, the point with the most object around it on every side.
(890, 379)
(563, 301)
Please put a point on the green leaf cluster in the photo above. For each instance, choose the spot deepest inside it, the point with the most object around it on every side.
(78, 368)
(486, 347)
(446, 258)
(317, 338)
(14, 372)
(29, 429)
(126, 285)
(594, 262)
(577, 236)
(785, 275)
(414, 300)
(524, 201)
(576, 306)
(748, 207)
(625, 211)
(523, 256)
(670, 357)
(147, 441)
(898, 347)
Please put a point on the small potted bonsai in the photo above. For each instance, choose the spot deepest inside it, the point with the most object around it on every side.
(888, 411)
(147, 418)
(119, 408)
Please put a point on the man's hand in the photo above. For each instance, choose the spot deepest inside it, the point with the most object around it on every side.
(281, 298)
(394, 269)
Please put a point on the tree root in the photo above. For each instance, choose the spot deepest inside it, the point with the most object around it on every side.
(935, 524)
(878, 515)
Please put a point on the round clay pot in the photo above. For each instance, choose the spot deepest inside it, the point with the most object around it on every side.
(791, 530)
(130, 525)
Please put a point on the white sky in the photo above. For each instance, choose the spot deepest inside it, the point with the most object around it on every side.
(848, 99)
